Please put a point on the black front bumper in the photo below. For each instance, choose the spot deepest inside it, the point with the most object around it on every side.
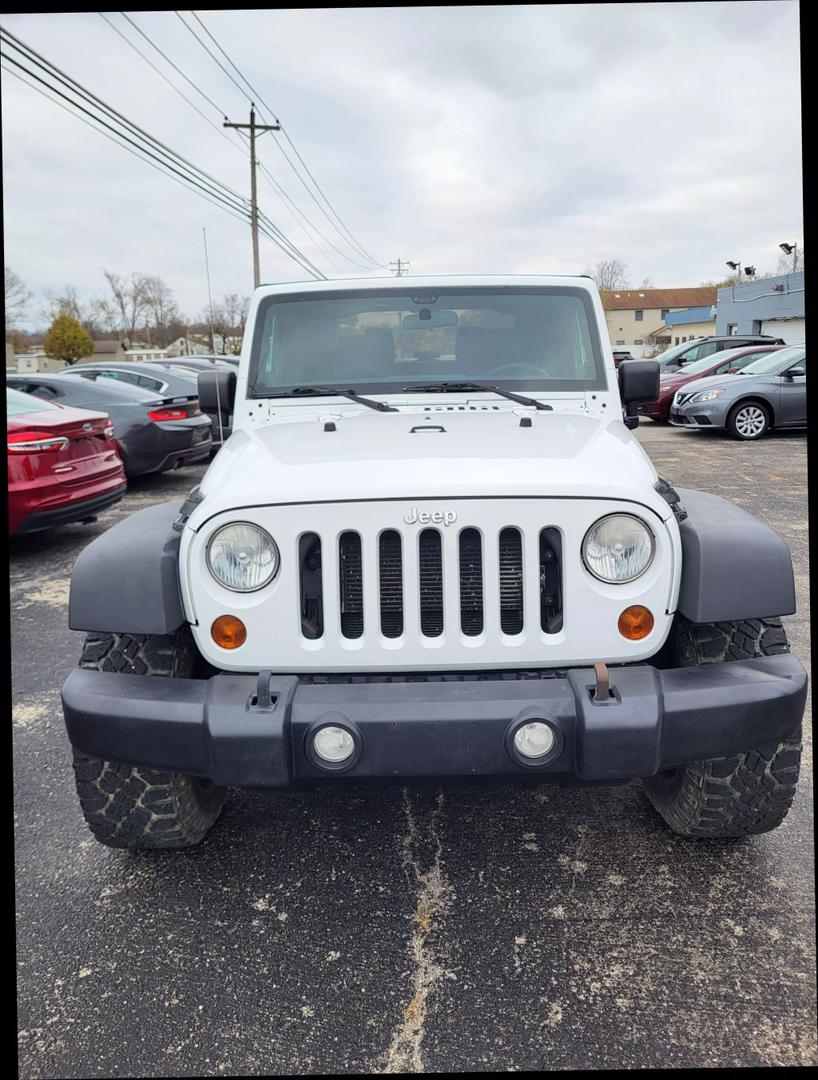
(451, 726)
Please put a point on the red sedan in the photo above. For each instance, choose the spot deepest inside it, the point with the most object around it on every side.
(63, 464)
(723, 363)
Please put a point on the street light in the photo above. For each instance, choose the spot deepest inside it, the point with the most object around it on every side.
(735, 266)
(749, 271)
(791, 249)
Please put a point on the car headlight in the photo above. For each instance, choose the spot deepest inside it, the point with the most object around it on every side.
(708, 395)
(242, 557)
(618, 548)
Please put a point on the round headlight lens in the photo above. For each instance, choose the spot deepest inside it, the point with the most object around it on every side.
(242, 557)
(618, 548)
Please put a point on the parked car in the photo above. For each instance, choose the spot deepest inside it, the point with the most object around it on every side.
(477, 577)
(690, 351)
(207, 358)
(621, 354)
(194, 366)
(769, 393)
(175, 384)
(153, 433)
(63, 464)
(724, 363)
(177, 380)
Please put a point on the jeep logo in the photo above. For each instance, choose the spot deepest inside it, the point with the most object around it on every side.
(430, 517)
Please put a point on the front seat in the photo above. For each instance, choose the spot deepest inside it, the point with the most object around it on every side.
(367, 357)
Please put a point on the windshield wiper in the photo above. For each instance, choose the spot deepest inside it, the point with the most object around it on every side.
(474, 386)
(328, 391)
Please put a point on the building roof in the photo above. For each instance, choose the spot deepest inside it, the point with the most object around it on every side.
(630, 299)
(691, 315)
(109, 346)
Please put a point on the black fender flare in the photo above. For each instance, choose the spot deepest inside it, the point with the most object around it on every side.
(733, 565)
(127, 580)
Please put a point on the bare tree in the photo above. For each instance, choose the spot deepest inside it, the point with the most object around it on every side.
(609, 275)
(790, 264)
(235, 312)
(162, 316)
(645, 283)
(17, 298)
(69, 303)
(125, 311)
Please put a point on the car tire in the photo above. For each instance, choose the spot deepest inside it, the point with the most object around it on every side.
(743, 794)
(132, 806)
(748, 420)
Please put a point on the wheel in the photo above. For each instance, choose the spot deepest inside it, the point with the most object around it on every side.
(746, 793)
(748, 420)
(131, 806)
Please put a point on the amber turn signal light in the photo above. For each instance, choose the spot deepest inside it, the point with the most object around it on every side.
(228, 632)
(635, 622)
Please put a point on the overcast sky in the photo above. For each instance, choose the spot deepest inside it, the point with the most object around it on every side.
(522, 139)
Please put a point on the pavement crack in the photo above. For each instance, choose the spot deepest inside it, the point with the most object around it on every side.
(433, 897)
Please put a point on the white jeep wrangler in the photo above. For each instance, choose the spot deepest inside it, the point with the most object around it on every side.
(432, 546)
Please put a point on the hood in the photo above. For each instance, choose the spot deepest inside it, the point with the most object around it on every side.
(710, 381)
(374, 455)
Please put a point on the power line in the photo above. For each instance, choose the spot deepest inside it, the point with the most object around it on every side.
(255, 96)
(144, 143)
(110, 138)
(210, 101)
(401, 267)
(172, 85)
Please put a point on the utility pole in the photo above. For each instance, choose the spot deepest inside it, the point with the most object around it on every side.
(401, 267)
(253, 127)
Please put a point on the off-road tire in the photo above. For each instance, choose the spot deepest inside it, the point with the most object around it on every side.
(746, 793)
(132, 806)
(733, 425)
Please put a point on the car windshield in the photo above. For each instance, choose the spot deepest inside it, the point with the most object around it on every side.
(18, 403)
(384, 340)
(714, 360)
(781, 358)
(671, 354)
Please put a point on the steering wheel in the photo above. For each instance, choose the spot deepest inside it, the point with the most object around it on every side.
(525, 371)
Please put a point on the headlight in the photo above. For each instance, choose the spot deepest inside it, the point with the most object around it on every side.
(708, 395)
(242, 557)
(618, 548)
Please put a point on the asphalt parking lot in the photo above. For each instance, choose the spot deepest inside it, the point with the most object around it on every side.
(406, 927)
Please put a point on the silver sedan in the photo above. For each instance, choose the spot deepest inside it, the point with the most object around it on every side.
(769, 393)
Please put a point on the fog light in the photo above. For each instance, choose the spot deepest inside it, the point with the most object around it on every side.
(534, 740)
(228, 631)
(635, 622)
(333, 744)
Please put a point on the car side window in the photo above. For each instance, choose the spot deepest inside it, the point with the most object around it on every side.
(149, 384)
(38, 390)
(722, 369)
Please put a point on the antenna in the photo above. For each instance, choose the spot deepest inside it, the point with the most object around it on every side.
(209, 294)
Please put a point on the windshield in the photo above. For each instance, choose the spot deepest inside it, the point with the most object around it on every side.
(18, 403)
(384, 340)
(715, 360)
(781, 358)
(671, 354)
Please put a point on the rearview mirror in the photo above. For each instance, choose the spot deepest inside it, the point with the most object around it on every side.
(217, 392)
(426, 319)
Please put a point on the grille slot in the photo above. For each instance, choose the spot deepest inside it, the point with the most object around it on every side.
(390, 560)
(511, 581)
(430, 575)
(550, 580)
(350, 573)
(312, 586)
(471, 582)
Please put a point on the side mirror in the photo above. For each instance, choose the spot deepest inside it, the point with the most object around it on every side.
(638, 383)
(794, 372)
(217, 392)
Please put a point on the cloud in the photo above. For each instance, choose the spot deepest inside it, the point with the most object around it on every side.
(485, 139)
